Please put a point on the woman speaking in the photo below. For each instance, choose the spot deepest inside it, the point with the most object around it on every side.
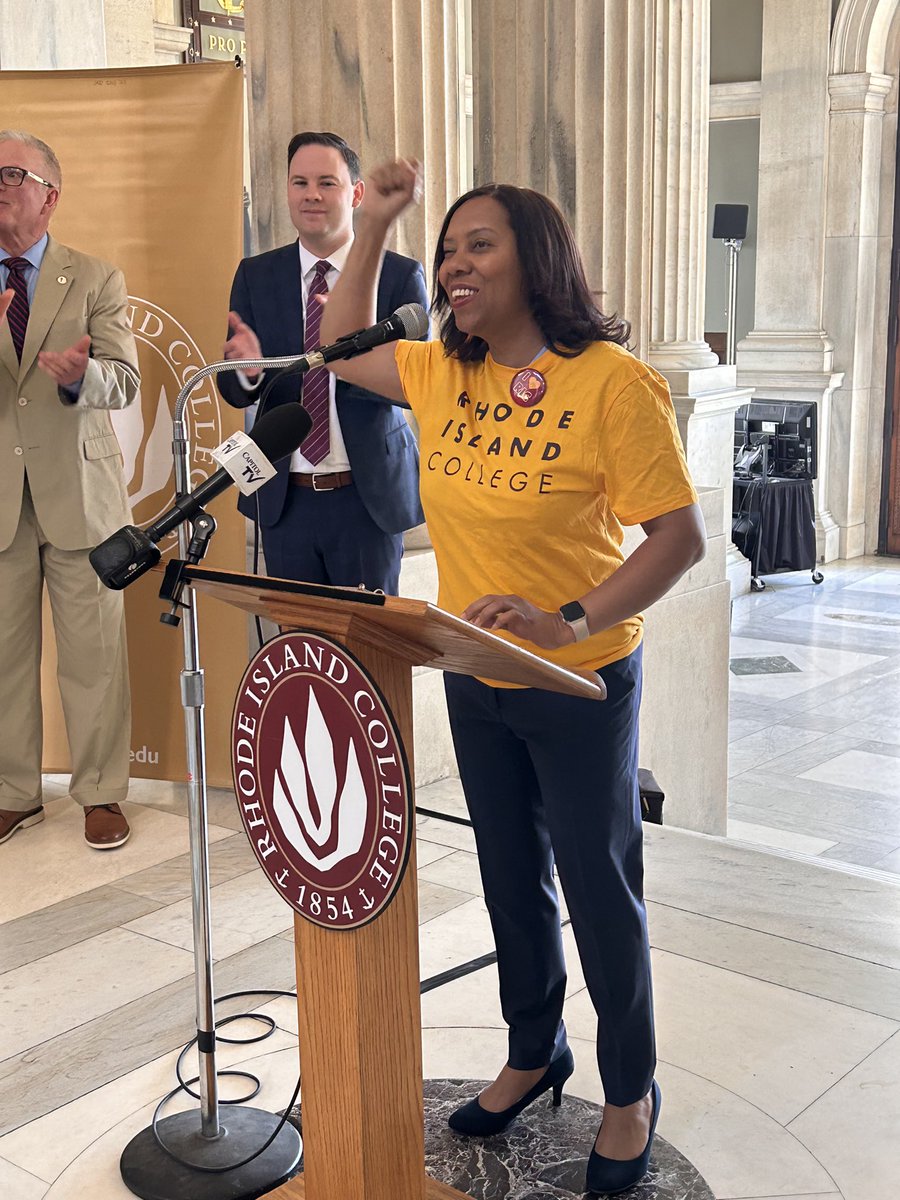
(541, 436)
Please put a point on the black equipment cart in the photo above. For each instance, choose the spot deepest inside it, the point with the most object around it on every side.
(773, 510)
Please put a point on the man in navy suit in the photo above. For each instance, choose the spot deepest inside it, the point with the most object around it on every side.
(336, 512)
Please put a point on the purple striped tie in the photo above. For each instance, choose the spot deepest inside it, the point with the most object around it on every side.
(17, 314)
(317, 443)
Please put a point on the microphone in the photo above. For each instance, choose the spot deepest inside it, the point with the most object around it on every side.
(130, 552)
(410, 321)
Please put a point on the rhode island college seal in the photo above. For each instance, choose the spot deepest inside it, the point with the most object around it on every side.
(321, 780)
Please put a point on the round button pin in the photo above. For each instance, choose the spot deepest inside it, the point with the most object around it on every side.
(527, 387)
(61, 279)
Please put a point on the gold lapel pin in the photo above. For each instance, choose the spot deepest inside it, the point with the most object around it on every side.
(61, 279)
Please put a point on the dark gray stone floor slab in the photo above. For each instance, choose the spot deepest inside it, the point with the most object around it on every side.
(542, 1156)
(47, 1076)
(74, 920)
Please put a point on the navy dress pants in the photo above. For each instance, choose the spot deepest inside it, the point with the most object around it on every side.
(329, 537)
(549, 777)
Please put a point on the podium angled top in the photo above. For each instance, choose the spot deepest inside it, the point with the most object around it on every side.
(416, 631)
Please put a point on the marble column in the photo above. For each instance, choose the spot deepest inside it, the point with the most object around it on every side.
(382, 74)
(856, 312)
(564, 104)
(704, 393)
(789, 355)
(680, 161)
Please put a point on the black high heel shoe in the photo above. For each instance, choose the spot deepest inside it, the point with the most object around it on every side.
(476, 1121)
(611, 1175)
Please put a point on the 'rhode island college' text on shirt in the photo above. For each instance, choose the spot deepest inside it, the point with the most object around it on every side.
(527, 476)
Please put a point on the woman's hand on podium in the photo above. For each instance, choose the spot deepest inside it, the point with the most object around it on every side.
(519, 616)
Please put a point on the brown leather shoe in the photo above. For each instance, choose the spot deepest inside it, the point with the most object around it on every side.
(11, 821)
(105, 826)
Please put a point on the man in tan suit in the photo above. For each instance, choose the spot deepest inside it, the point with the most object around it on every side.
(66, 358)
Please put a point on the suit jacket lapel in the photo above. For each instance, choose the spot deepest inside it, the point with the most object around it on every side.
(8, 351)
(287, 296)
(50, 293)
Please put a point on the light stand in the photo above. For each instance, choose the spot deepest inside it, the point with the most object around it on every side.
(205, 1155)
(733, 247)
(730, 224)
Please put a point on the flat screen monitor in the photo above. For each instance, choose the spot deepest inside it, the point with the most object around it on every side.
(788, 432)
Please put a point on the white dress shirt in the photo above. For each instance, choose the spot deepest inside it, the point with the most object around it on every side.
(336, 459)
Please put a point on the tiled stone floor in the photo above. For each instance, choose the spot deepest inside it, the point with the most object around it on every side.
(777, 971)
(814, 751)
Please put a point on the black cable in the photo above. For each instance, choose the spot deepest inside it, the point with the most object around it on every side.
(430, 812)
(185, 1085)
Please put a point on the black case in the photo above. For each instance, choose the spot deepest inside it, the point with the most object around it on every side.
(652, 797)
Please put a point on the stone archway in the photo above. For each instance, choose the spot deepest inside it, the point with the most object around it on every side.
(863, 88)
(861, 35)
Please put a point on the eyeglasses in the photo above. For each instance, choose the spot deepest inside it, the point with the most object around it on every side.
(15, 177)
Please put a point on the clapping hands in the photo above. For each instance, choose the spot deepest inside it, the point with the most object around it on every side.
(242, 341)
(65, 367)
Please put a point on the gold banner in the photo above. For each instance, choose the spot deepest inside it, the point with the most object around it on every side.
(152, 181)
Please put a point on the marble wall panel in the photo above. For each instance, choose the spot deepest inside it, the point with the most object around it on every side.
(53, 34)
(130, 40)
(888, 156)
(854, 140)
(684, 713)
(792, 164)
(168, 11)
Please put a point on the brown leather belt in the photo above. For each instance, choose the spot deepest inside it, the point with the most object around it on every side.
(319, 482)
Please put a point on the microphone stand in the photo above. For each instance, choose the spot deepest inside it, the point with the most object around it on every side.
(206, 1159)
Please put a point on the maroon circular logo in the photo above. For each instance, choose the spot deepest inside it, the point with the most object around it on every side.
(321, 780)
(527, 387)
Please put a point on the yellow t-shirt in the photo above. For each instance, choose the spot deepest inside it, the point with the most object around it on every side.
(530, 498)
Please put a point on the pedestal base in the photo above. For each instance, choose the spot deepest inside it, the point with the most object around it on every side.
(149, 1172)
(542, 1156)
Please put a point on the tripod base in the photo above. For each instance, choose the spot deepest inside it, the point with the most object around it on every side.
(151, 1174)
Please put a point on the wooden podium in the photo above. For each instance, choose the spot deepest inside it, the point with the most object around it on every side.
(358, 990)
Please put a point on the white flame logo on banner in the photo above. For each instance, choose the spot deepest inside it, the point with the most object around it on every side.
(145, 430)
(294, 777)
(156, 461)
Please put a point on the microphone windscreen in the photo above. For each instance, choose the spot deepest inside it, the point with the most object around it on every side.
(414, 319)
(280, 431)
